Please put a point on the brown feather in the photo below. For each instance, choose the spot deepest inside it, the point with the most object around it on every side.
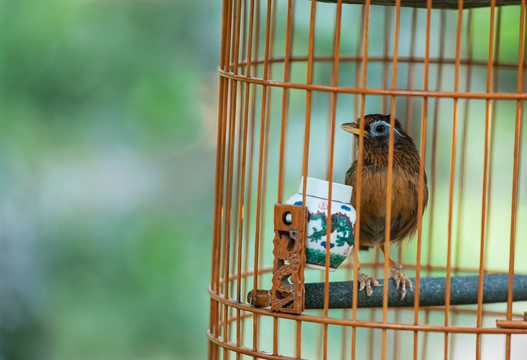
(405, 186)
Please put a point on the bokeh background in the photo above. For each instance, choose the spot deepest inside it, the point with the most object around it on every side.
(108, 123)
(108, 112)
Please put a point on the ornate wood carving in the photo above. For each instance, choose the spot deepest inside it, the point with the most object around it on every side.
(287, 293)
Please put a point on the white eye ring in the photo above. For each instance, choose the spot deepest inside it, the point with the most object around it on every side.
(386, 126)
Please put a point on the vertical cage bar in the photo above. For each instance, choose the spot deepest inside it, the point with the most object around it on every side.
(254, 34)
(238, 218)
(227, 126)
(242, 208)
(218, 195)
(411, 75)
(386, 36)
(452, 175)
(433, 162)
(298, 338)
(333, 106)
(420, 207)
(283, 129)
(463, 152)
(331, 127)
(462, 165)
(359, 55)
(285, 98)
(408, 125)
(494, 107)
(270, 35)
(515, 172)
(360, 158)
(309, 81)
(250, 99)
(259, 191)
(228, 213)
(356, 114)
(488, 120)
(222, 131)
(230, 168)
(239, 133)
(389, 179)
(385, 59)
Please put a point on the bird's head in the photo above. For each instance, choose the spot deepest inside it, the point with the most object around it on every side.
(377, 131)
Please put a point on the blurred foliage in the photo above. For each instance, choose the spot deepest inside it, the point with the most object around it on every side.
(107, 113)
(105, 217)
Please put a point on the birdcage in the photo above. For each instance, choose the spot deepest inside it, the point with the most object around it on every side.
(292, 71)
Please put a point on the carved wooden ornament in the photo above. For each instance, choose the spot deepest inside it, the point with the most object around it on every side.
(287, 293)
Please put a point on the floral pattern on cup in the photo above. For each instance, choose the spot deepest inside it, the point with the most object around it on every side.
(342, 231)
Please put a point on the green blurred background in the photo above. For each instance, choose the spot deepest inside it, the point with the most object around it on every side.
(108, 115)
(108, 122)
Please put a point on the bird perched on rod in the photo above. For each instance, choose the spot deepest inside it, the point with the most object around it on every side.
(405, 191)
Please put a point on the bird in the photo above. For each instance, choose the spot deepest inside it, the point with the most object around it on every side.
(405, 191)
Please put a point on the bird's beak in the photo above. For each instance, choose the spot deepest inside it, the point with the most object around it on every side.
(353, 128)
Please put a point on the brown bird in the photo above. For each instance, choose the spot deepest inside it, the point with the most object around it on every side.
(405, 191)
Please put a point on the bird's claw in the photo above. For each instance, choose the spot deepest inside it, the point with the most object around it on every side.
(367, 282)
(401, 280)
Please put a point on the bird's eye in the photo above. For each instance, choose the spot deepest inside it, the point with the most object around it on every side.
(380, 129)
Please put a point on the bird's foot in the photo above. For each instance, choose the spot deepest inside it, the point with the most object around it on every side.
(367, 282)
(401, 280)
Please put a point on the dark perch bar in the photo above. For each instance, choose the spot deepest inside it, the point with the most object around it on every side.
(464, 290)
(437, 4)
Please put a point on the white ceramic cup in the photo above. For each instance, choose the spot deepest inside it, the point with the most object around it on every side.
(342, 222)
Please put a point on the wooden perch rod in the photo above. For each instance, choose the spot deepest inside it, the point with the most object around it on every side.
(464, 290)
